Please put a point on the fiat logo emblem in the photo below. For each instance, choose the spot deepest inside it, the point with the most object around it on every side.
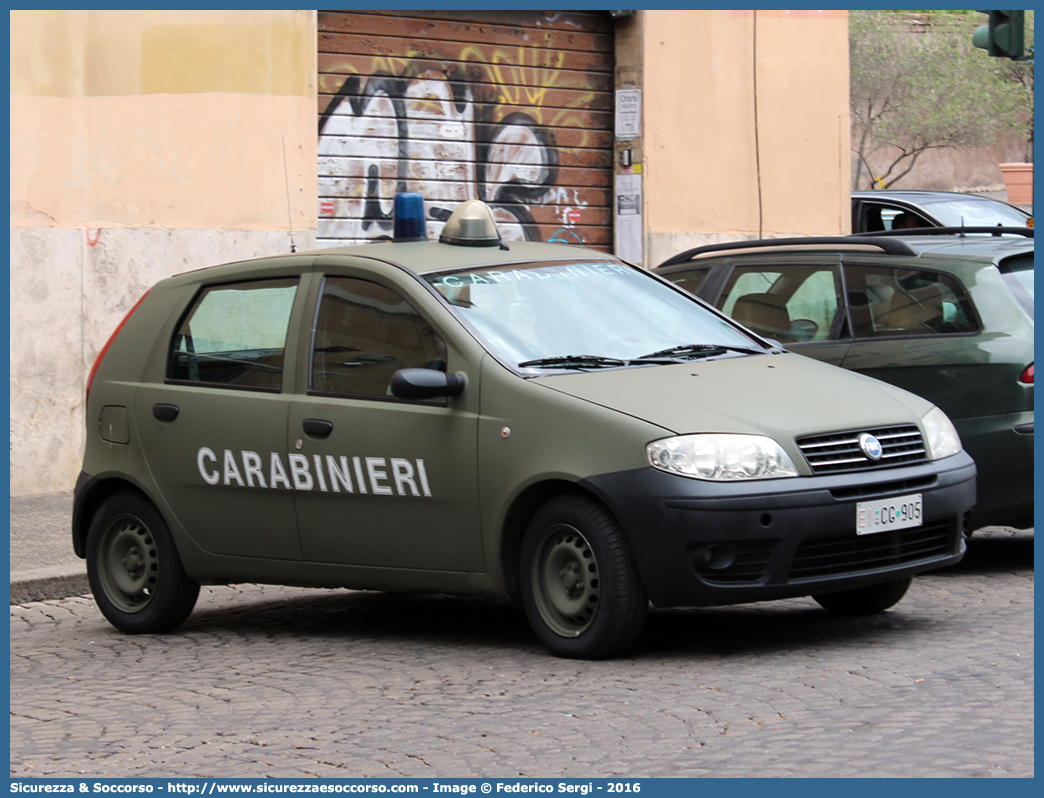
(870, 446)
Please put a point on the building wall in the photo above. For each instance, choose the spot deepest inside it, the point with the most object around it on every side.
(144, 143)
(971, 169)
(731, 94)
(514, 108)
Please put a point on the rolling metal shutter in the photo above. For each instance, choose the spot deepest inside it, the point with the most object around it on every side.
(510, 107)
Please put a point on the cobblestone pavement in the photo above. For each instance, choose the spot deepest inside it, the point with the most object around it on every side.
(280, 682)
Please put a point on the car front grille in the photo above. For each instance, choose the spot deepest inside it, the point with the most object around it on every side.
(840, 451)
(846, 555)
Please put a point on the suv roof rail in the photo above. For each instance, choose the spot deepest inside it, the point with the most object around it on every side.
(885, 245)
(950, 231)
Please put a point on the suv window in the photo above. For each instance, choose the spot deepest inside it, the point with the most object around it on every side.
(795, 305)
(880, 216)
(892, 301)
(366, 332)
(1018, 275)
(690, 279)
(235, 335)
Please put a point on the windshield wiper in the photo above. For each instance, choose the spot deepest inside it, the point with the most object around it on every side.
(574, 362)
(691, 351)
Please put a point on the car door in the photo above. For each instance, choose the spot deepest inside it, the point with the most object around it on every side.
(917, 328)
(382, 481)
(798, 304)
(214, 433)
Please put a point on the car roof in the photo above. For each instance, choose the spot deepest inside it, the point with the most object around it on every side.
(417, 257)
(994, 248)
(923, 197)
(941, 242)
(914, 195)
(434, 256)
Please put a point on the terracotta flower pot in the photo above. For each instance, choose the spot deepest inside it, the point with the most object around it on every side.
(1018, 181)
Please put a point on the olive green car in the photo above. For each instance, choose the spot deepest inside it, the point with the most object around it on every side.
(946, 314)
(517, 421)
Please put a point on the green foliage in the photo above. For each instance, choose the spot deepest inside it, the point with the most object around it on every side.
(917, 83)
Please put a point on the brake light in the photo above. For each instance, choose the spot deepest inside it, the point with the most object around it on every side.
(1027, 375)
(104, 349)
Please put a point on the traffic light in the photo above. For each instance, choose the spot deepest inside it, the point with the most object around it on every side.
(1003, 37)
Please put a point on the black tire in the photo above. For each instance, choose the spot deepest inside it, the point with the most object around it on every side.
(579, 584)
(865, 600)
(134, 569)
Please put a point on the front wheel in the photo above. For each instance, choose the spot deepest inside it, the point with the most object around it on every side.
(579, 584)
(134, 569)
(865, 600)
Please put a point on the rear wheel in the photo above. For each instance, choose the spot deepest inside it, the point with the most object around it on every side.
(580, 587)
(134, 569)
(865, 600)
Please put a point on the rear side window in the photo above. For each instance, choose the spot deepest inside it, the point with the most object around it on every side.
(235, 335)
(887, 302)
(366, 332)
(1018, 275)
(794, 305)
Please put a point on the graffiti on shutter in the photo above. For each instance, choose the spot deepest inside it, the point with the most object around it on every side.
(513, 108)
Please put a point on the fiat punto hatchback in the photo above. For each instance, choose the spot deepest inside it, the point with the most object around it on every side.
(518, 421)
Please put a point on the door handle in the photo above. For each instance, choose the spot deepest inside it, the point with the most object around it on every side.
(317, 427)
(165, 412)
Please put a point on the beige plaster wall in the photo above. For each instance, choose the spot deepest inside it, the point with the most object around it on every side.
(703, 144)
(143, 144)
(162, 118)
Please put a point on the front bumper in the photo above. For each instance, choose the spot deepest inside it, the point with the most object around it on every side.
(774, 539)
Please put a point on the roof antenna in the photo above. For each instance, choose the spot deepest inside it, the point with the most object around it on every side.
(286, 177)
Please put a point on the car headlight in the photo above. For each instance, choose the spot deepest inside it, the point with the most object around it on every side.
(941, 438)
(721, 457)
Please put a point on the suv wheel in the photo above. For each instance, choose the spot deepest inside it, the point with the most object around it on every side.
(865, 600)
(133, 567)
(579, 584)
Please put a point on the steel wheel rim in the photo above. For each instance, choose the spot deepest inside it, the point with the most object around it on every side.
(128, 564)
(565, 581)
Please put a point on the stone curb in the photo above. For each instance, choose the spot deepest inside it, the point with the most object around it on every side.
(44, 584)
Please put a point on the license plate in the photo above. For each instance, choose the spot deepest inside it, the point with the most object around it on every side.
(901, 512)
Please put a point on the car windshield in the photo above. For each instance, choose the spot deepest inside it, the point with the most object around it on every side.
(586, 315)
(1018, 274)
(977, 213)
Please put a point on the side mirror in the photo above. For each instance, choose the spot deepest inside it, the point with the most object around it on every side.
(425, 384)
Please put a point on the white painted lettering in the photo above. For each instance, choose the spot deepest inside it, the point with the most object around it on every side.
(299, 470)
(232, 470)
(276, 472)
(423, 475)
(339, 477)
(207, 454)
(380, 476)
(318, 460)
(377, 475)
(252, 467)
(359, 480)
(402, 473)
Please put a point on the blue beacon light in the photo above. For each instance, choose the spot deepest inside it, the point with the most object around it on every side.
(409, 218)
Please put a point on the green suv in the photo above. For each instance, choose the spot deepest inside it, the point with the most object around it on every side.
(946, 314)
(518, 421)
